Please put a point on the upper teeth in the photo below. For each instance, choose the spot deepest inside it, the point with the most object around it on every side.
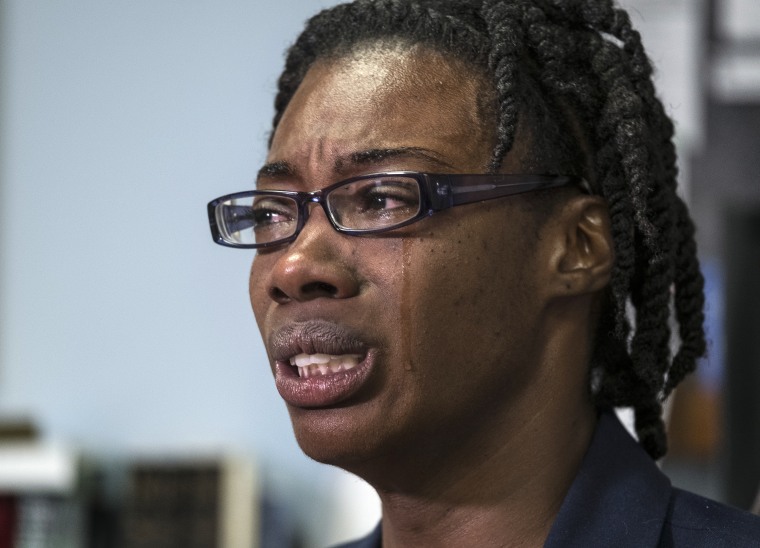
(322, 364)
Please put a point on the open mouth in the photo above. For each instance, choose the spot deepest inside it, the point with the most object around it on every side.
(313, 365)
(318, 363)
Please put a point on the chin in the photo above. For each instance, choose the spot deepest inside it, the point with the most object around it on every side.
(330, 436)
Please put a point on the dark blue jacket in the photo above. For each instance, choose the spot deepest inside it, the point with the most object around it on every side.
(621, 498)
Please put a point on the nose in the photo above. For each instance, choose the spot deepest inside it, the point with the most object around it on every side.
(315, 265)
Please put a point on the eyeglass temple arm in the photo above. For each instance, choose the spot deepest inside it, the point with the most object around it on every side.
(457, 189)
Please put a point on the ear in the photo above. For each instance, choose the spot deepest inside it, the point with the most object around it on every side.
(584, 252)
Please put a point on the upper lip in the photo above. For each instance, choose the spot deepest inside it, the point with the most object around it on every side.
(313, 337)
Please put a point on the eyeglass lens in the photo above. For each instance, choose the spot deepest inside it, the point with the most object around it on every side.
(377, 203)
(366, 204)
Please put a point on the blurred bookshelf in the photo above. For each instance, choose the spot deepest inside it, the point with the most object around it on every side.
(53, 496)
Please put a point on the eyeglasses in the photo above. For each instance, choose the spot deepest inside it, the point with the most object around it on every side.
(368, 204)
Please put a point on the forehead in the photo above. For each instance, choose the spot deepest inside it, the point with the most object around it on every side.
(387, 97)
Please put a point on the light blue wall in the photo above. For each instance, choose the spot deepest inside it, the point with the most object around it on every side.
(122, 326)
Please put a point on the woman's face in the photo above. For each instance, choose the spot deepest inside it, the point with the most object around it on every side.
(433, 329)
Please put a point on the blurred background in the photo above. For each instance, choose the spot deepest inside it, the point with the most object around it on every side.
(126, 336)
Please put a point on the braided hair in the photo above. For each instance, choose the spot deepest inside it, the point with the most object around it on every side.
(577, 72)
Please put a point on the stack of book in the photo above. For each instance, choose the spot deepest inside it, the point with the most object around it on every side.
(184, 502)
(39, 503)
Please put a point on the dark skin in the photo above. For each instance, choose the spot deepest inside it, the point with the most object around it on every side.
(474, 415)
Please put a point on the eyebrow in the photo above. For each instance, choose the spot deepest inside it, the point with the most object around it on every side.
(277, 169)
(377, 155)
(343, 164)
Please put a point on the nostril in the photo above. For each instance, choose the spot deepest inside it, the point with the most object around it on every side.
(312, 290)
(315, 289)
(278, 295)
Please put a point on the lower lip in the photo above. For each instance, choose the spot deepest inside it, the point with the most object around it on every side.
(322, 390)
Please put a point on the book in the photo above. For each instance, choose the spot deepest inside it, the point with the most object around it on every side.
(8, 520)
(46, 521)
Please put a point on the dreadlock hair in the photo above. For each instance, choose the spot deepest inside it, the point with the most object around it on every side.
(577, 74)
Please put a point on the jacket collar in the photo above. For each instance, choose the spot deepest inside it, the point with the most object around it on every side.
(618, 498)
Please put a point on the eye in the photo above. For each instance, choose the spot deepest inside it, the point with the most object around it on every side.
(385, 196)
(268, 211)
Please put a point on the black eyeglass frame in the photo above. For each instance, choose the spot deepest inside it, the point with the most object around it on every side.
(438, 191)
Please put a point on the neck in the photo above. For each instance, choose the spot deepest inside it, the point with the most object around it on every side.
(480, 496)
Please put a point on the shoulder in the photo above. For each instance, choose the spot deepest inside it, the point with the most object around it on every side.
(621, 498)
(693, 520)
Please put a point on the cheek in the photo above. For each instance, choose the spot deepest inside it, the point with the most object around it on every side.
(464, 296)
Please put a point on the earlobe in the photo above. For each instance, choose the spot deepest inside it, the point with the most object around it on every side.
(587, 254)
